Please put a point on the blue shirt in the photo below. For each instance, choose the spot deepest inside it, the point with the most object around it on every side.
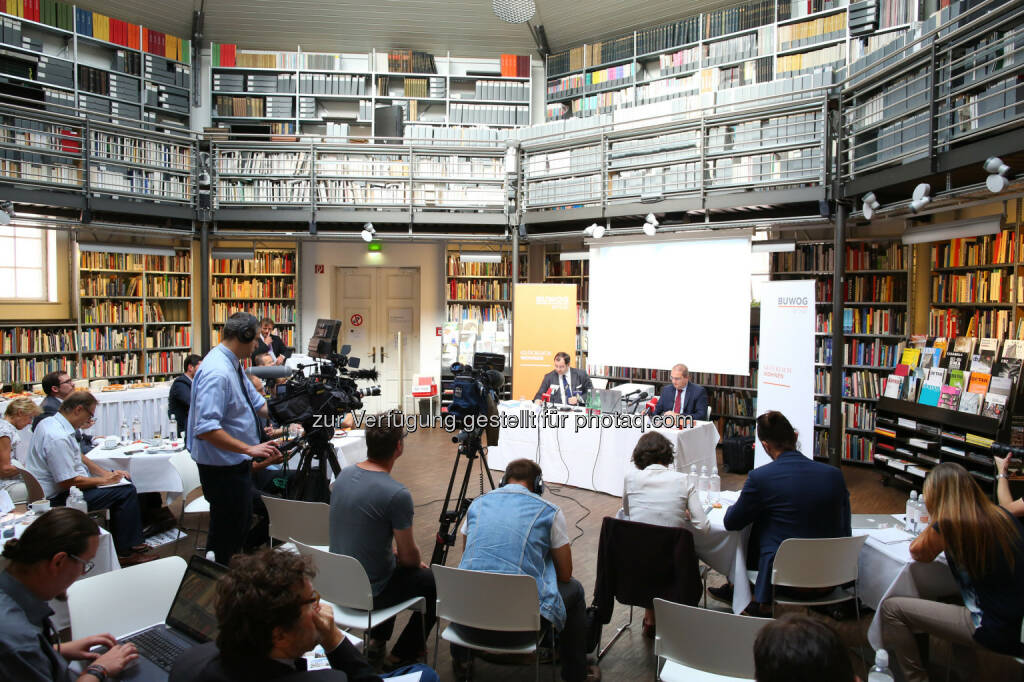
(54, 455)
(25, 653)
(219, 403)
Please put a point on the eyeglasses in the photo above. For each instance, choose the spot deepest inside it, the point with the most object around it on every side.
(92, 418)
(312, 600)
(69, 380)
(86, 565)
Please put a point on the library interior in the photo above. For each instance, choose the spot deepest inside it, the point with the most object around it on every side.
(302, 292)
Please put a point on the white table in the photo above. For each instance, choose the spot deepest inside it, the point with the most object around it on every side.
(148, 404)
(726, 551)
(150, 468)
(574, 450)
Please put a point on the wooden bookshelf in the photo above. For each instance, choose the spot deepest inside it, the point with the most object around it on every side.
(265, 286)
(875, 325)
(577, 272)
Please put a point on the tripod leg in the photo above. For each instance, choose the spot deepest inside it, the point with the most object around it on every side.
(451, 516)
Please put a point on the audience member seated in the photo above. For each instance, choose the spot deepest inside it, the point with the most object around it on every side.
(984, 546)
(18, 415)
(790, 497)
(371, 520)
(55, 460)
(180, 397)
(56, 550)
(270, 344)
(57, 386)
(655, 494)
(512, 529)
(800, 648)
(268, 616)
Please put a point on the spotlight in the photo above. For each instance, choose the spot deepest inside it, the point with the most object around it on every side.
(869, 204)
(652, 220)
(997, 180)
(594, 230)
(368, 232)
(6, 212)
(650, 229)
(514, 11)
(921, 197)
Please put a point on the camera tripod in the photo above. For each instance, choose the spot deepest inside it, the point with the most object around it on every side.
(452, 514)
(311, 485)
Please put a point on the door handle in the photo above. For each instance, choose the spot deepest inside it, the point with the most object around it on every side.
(374, 357)
(382, 355)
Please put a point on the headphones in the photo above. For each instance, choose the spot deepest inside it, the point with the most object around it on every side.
(244, 327)
(538, 483)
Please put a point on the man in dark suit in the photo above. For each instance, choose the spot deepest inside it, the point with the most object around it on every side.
(568, 385)
(180, 397)
(683, 397)
(268, 616)
(57, 386)
(270, 343)
(791, 497)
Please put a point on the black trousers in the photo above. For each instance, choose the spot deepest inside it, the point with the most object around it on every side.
(406, 583)
(229, 492)
(125, 517)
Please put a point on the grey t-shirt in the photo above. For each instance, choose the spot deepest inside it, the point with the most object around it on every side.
(366, 506)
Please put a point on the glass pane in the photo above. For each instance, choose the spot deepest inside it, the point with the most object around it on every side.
(29, 252)
(29, 283)
(7, 283)
(27, 232)
(6, 230)
(6, 252)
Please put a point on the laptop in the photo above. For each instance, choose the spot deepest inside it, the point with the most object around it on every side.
(192, 620)
(873, 521)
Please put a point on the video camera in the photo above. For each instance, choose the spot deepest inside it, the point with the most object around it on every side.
(475, 392)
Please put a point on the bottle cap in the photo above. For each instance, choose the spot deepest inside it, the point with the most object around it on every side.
(882, 658)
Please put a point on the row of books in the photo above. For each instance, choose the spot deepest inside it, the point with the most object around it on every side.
(865, 321)
(986, 250)
(50, 12)
(480, 290)
(515, 65)
(687, 59)
(455, 267)
(877, 352)
(747, 46)
(139, 181)
(178, 335)
(273, 287)
(859, 383)
(829, 57)
(478, 312)
(741, 18)
(163, 285)
(106, 285)
(228, 55)
(609, 50)
(811, 32)
(287, 334)
(565, 268)
(165, 362)
(279, 312)
(264, 262)
(733, 404)
(237, 162)
(958, 322)
(105, 312)
(855, 415)
(110, 366)
(408, 61)
(28, 340)
(32, 370)
(138, 150)
(982, 286)
(111, 339)
(720, 380)
(682, 32)
(794, 9)
(264, 191)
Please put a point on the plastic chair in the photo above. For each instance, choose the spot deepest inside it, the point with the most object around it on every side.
(192, 499)
(469, 599)
(125, 601)
(817, 563)
(342, 581)
(701, 645)
(308, 522)
(35, 489)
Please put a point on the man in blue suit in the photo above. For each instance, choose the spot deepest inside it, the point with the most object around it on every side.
(683, 397)
(790, 497)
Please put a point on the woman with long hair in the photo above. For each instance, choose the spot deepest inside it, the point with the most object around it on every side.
(984, 546)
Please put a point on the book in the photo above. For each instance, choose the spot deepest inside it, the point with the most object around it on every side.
(901, 370)
(1000, 385)
(956, 360)
(910, 357)
(893, 386)
(949, 397)
(965, 345)
(995, 405)
(942, 344)
(979, 382)
(930, 393)
(959, 378)
(1013, 348)
(970, 403)
(927, 358)
(937, 375)
(988, 349)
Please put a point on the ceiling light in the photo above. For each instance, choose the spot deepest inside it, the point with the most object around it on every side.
(594, 230)
(652, 220)
(514, 11)
(997, 180)
(921, 197)
(957, 229)
(869, 205)
(650, 229)
(368, 232)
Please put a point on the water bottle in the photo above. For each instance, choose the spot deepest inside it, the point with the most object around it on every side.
(923, 517)
(76, 500)
(910, 516)
(172, 429)
(880, 670)
(702, 485)
(692, 480)
(136, 429)
(124, 431)
(715, 491)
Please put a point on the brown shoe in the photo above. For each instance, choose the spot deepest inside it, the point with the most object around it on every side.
(136, 558)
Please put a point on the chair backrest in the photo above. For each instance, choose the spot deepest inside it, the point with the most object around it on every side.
(188, 470)
(712, 641)
(340, 579)
(120, 602)
(35, 489)
(308, 522)
(472, 598)
(817, 562)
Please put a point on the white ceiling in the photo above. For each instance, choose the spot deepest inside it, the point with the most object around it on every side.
(467, 28)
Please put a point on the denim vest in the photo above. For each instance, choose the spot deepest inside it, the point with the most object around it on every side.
(508, 530)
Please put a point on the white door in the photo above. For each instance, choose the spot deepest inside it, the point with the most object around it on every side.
(377, 307)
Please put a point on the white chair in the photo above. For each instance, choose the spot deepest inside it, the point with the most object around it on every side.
(192, 499)
(308, 522)
(817, 563)
(342, 581)
(471, 599)
(701, 645)
(121, 602)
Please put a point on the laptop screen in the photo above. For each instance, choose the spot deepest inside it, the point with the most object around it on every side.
(193, 611)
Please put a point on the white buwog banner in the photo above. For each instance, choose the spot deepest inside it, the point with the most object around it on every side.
(785, 377)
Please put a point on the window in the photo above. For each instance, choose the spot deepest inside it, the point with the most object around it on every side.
(28, 264)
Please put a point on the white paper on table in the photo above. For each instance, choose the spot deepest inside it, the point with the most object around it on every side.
(123, 481)
(890, 536)
(6, 503)
(730, 496)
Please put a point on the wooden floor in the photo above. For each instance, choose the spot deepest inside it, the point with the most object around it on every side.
(425, 469)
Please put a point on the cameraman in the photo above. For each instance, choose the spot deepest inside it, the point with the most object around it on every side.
(225, 434)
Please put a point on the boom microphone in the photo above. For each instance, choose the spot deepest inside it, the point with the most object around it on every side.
(271, 372)
(370, 374)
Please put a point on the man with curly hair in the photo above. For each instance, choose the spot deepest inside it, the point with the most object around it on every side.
(268, 616)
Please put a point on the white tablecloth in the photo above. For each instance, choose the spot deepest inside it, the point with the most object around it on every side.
(726, 552)
(148, 404)
(151, 471)
(587, 455)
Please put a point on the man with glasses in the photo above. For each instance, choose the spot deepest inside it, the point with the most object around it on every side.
(58, 386)
(268, 616)
(55, 460)
(56, 550)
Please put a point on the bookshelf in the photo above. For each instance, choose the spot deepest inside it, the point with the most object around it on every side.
(875, 328)
(266, 286)
(577, 272)
(334, 95)
(135, 314)
(31, 350)
(110, 70)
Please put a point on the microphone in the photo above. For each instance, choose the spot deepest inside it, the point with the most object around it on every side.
(632, 393)
(370, 374)
(271, 372)
(546, 397)
(650, 406)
